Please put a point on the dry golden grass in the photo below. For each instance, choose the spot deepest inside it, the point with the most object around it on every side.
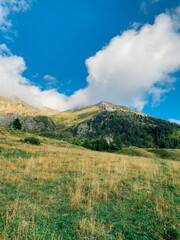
(38, 181)
(72, 118)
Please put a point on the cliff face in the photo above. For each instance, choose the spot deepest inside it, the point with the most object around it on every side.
(35, 124)
(38, 124)
(32, 119)
(7, 119)
(104, 106)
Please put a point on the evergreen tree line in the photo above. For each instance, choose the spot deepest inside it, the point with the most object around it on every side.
(99, 144)
(135, 130)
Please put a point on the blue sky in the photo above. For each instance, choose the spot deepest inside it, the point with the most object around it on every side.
(55, 38)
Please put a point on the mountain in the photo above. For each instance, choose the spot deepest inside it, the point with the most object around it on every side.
(133, 128)
(14, 105)
(104, 119)
(9, 106)
(32, 119)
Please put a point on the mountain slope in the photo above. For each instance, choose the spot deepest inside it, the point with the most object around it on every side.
(134, 128)
(103, 119)
(8, 106)
(68, 119)
(32, 119)
(14, 105)
(60, 191)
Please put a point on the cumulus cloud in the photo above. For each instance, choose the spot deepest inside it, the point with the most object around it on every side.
(14, 85)
(137, 64)
(11, 6)
(174, 121)
(134, 66)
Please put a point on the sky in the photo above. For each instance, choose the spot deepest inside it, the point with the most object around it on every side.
(71, 54)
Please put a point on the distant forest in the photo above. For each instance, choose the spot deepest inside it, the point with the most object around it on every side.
(133, 129)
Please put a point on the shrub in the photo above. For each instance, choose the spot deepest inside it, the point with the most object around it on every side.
(32, 140)
(76, 141)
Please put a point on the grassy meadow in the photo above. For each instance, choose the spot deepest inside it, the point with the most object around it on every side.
(61, 191)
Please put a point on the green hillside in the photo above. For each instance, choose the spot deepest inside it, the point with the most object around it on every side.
(64, 120)
(102, 120)
(132, 127)
(61, 191)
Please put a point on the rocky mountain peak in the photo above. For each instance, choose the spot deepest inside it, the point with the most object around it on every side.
(105, 106)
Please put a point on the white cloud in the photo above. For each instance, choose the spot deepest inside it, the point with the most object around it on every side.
(136, 25)
(14, 85)
(4, 50)
(137, 63)
(133, 66)
(174, 121)
(49, 77)
(11, 6)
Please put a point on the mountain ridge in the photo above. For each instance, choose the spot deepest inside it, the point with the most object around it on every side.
(102, 119)
(15, 105)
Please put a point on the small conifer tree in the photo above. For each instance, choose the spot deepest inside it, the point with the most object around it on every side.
(16, 124)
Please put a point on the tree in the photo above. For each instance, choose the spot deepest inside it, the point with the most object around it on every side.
(16, 124)
(118, 143)
(87, 144)
(112, 147)
(103, 144)
(76, 141)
